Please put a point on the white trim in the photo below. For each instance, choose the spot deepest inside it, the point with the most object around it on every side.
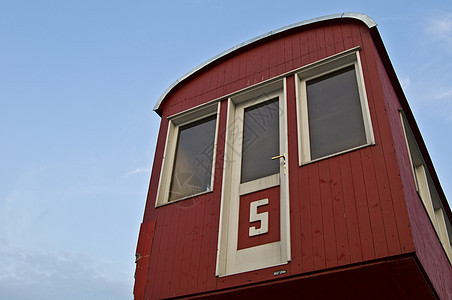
(304, 148)
(364, 102)
(443, 234)
(229, 259)
(174, 123)
(259, 184)
(285, 205)
(215, 145)
(425, 193)
(405, 134)
(225, 192)
(320, 68)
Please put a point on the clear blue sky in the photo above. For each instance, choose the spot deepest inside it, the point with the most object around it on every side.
(78, 82)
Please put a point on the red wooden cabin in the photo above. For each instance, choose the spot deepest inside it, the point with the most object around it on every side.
(291, 166)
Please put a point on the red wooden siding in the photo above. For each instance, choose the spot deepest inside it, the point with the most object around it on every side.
(143, 255)
(427, 246)
(344, 210)
(264, 61)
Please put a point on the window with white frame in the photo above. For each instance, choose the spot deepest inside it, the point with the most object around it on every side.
(333, 114)
(427, 191)
(188, 163)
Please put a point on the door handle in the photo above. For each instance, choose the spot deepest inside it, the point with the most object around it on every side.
(283, 156)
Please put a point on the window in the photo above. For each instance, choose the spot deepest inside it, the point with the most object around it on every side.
(333, 115)
(188, 163)
(193, 160)
(260, 140)
(427, 191)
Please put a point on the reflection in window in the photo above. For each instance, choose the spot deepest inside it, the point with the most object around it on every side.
(335, 115)
(193, 161)
(260, 140)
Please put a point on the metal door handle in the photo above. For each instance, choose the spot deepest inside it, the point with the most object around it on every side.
(283, 156)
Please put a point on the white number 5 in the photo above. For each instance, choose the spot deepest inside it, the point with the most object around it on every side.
(254, 216)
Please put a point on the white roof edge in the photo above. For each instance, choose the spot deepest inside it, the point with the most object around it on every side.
(362, 17)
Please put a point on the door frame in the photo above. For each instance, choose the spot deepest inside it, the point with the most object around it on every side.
(229, 209)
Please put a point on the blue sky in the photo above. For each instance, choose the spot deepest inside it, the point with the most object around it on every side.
(78, 82)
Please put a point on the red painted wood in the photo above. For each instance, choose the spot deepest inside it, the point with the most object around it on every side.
(182, 247)
(337, 37)
(235, 74)
(329, 232)
(304, 46)
(329, 41)
(312, 46)
(228, 75)
(265, 62)
(192, 88)
(296, 51)
(350, 214)
(143, 254)
(347, 36)
(348, 209)
(165, 265)
(316, 214)
(385, 155)
(362, 207)
(188, 240)
(204, 253)
(321, 43)
(209, 238)
(220, 81)
(256, 59)
(329, 36)
(339, 215)
(306, 216)
(376, 218)
(387, 207)
(404, 170)
(280, 56)
(195, 255)
(156, 266)
(211, 262)
(288, 53)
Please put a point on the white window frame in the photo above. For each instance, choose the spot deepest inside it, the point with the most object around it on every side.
(174, 124)
(426, 190)
(320, 68)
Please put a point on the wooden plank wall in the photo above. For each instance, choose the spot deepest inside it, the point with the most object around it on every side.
(427, 245)
(143, 254)
(344, 210)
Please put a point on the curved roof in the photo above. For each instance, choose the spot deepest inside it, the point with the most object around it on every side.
(362, 17)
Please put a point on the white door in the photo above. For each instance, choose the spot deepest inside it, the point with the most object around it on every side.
(256, 225)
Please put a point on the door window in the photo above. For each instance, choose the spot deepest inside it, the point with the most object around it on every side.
(260, 140)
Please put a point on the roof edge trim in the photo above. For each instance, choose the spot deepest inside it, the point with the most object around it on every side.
(361, 17)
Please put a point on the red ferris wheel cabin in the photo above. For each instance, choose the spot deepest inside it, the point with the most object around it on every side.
(291, 166)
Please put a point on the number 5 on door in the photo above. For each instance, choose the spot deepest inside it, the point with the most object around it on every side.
(262, 217)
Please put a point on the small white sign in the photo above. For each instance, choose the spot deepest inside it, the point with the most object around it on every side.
(280, 272)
